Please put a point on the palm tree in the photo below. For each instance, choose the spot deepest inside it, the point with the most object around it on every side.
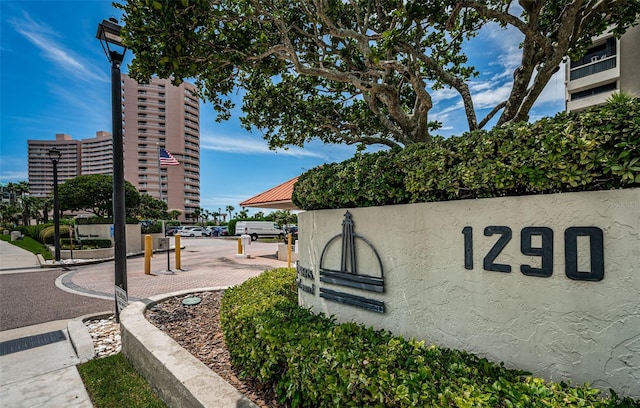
(17, 191)
(30, 208)
(229, 208)
(197, 213)
(7, 212)
(44, 205)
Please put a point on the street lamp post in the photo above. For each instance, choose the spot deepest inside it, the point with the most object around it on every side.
(54, 155)
(109, 36)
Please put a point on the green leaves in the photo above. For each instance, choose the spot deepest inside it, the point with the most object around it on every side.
(594, 150)
(313, 362)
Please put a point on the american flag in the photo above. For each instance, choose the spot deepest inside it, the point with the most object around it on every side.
(166, 159)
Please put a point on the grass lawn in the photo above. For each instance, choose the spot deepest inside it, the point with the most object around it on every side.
(29, 244)
(113, 382)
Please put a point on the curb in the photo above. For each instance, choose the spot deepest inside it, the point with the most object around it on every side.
(80, 338)
(176, 376)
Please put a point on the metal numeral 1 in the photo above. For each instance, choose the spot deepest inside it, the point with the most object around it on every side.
(468, 247)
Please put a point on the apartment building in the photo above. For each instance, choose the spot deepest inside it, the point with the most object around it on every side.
(157, 115)
(97, 154)
(41, 167)
(610, 65)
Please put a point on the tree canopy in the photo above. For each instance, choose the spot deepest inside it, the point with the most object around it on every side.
(358, 71)
(93, 193)
(151, 208)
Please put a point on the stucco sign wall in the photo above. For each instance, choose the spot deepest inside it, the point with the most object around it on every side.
(548, 284)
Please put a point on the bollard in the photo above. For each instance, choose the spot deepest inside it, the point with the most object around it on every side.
(289, 238)
(178, 263)
(239, 246)
(148, 251)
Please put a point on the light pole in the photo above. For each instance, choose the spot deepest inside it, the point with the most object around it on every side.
(54, 156)
(109, 36)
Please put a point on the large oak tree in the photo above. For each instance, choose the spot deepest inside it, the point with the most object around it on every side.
(94, 193)
(354, 71)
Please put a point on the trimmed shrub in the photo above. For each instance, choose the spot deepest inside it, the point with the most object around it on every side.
(102, 220)
(314, 362)
(597, 149)
(151, 228)
(96, 243)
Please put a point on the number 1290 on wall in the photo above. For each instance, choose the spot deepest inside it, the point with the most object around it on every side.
(544, 251)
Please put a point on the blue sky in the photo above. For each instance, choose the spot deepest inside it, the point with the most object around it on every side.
(55, 79)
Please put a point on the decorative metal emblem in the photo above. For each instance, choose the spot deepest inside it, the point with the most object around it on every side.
(348, 274)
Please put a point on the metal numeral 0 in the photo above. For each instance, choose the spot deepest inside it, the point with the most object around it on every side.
(545, 251)
(596, 250)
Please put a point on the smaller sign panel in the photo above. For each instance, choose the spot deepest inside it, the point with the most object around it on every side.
(122, 299)
(163, 243)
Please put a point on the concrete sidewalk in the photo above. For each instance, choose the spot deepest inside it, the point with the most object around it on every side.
(38, 368)
(38, 363)
(14, 259)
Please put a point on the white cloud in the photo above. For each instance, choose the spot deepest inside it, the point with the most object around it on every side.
(209, 202)
(491, 97)
(444, 94)
(442, 115)
(7, 176)
(42, 37)
(554, 91)
(244, 144)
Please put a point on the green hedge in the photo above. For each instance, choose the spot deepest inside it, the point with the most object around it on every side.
(594, 150)
(152, 228)
(314, 362)
(102, 220)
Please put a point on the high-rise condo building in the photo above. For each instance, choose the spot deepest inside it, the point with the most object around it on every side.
(155, 115)
(160, 115)
(41, 167)
(96, 154)
(609, 65)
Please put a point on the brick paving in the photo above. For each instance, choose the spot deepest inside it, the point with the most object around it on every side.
(205, 263)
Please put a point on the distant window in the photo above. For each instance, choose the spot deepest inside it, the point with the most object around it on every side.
(594, 91)
(597, 52)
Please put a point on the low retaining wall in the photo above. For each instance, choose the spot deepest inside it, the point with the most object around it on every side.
(105, 231)
(179, 379)
(101, 253)
(548, 284)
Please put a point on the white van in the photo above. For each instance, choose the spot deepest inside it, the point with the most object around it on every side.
(259, 229)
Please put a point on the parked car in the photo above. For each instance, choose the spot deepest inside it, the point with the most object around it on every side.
(171, 230)
(293, 229)
(195, 232)
(219, 231)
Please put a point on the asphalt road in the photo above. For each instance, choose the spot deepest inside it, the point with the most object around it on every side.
(32, 298)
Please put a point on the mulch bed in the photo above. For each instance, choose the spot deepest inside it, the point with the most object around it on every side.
(197, 329)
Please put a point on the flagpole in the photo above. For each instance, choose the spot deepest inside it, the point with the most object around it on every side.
(159, 173)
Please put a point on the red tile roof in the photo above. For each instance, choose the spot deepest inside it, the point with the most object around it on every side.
(278, 197)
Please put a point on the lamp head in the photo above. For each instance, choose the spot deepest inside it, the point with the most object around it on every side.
(109, 36)
(54, 155)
